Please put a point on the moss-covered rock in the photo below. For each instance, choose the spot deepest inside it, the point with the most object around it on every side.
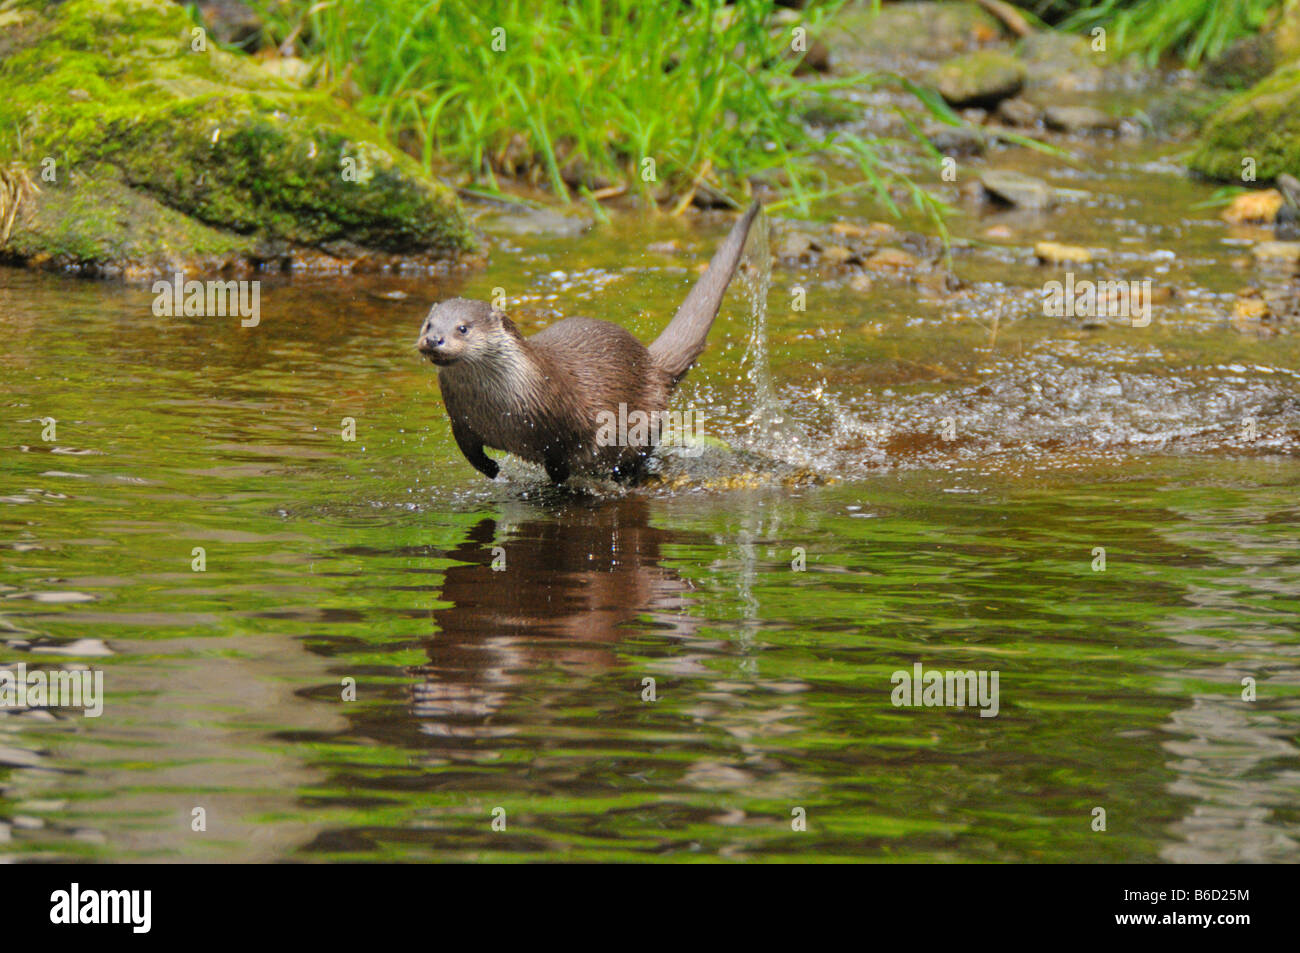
(861, 38)
(128, 118)
(1262, 124)
(983, 78)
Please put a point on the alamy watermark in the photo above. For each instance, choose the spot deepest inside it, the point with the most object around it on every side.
(83, 689)
(1120, 298)
(208, 299)
(940, 689)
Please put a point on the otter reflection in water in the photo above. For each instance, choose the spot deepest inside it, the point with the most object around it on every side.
(572, 580)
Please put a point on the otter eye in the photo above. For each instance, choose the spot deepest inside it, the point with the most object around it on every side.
(463, 329)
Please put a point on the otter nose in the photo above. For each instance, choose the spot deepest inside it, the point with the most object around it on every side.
(429, 343)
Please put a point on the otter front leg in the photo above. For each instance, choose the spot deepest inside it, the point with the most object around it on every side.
(472, 447)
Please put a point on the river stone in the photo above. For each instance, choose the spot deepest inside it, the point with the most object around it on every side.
(174, 157)
(1253, 208)
(1017, 189)
(1054, 253)
(1278, 254)
(892, 258)
(795, 245)
(1018, 112)
(982, 78)
(859, 37)
(956, 140)
(1062, 62)
(1078, 119)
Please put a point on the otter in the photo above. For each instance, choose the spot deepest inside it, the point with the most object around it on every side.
(543, 398)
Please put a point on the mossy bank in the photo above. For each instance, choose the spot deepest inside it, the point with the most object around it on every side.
(1257, 132)
(133, 146)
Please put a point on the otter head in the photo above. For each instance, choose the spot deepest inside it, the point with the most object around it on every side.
(460, 330)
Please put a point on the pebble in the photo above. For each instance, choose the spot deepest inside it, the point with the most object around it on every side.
(1017, 189)
(1018, 112)
(892, 258)
(1078, 119)
(1055, 253)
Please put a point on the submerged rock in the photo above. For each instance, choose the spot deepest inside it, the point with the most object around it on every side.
(150, 150)
(1016, 189)
(983, 78)
(1078, 119)
(956, 140)
(1018, 112)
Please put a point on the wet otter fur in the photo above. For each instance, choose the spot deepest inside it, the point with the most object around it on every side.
(543, 398)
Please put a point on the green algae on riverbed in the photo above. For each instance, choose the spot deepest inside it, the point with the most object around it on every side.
(122, 95)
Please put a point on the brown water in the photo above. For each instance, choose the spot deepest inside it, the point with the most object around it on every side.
(522, 689)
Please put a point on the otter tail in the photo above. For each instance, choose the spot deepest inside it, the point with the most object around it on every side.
(676, 349)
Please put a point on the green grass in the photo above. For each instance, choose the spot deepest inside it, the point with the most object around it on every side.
(586, 91)
(1194, 30)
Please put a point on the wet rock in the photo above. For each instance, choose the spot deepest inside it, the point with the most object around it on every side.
(817, 59)
(1253, 208)
(848, 230)
(1018, 111)
(1278, 255)
(178, 159)
(1267, 311)
(1262, 123)
(838, 255)
(860, 38)
(1062, 62)
(1075, 119)
(1055, 253)
(795, 245)
(1016, 189)
(956, 140)
(892, 259)
(1249, 308)
(525, 220)
(982, 78)
(860, 283)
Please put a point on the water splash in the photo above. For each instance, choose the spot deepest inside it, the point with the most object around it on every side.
(766, 414)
